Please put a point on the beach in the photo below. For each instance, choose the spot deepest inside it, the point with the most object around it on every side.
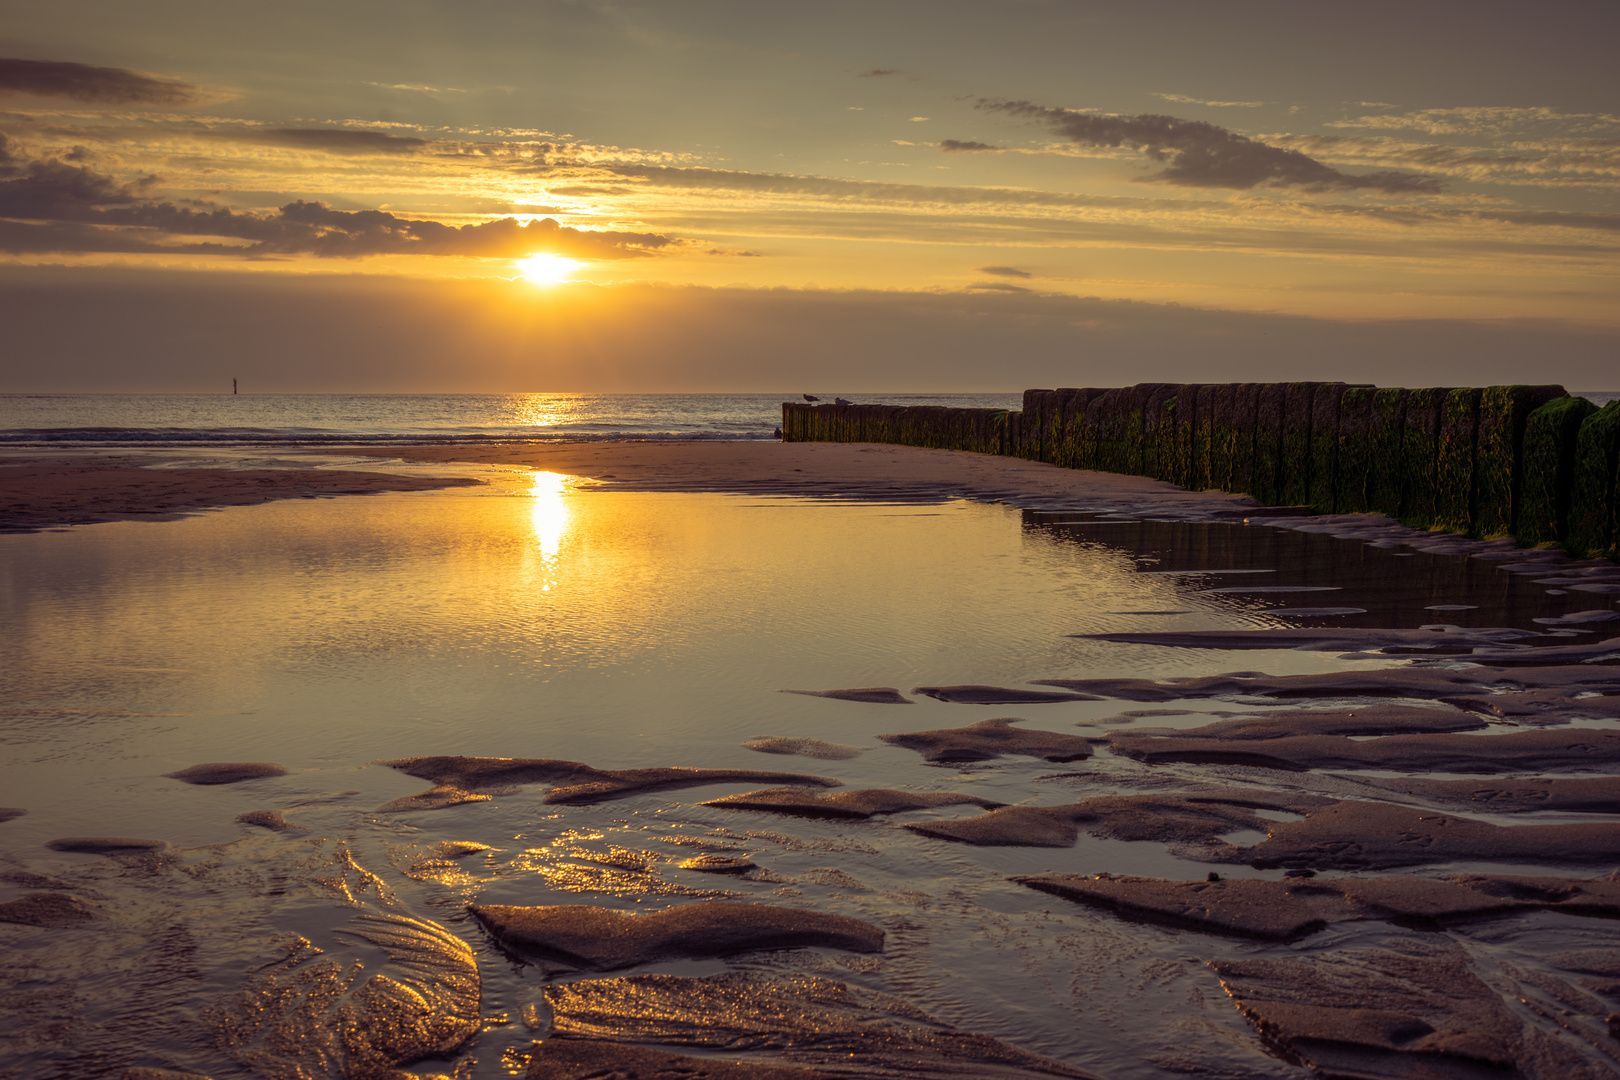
(1070, 764)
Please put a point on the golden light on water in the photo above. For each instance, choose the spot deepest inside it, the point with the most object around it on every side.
(546, 269)
(550, 513)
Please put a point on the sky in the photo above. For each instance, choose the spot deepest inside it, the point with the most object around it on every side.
(586, 195)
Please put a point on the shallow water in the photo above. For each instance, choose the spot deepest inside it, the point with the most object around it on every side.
(534, 619)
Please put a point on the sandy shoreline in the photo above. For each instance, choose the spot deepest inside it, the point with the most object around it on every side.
(60, 491)
(42, 491)
(52, 490)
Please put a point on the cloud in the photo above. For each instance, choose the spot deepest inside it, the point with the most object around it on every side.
(1484, 120)
(877, 73)
(586, 189)
(1556, 162)
(1005, 271)
(997, 286)
(1183, 99)
(81, 82)
(957, 146)
(52, 206)
(1197, 154)
(338, 140)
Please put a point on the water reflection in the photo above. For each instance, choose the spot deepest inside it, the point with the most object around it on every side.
(551, 516)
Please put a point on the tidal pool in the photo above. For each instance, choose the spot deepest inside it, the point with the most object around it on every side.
(539, 619)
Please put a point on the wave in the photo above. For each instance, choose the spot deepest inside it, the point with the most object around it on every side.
(274, 437)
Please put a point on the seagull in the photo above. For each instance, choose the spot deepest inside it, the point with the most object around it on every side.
(811, 397)
(842, 401)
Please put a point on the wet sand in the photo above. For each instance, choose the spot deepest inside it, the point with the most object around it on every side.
(1417, 941)
(55, 491)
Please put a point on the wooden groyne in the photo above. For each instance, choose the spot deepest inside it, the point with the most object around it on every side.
(1530, 462)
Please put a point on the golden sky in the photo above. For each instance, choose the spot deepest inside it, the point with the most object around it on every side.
(1377, 163)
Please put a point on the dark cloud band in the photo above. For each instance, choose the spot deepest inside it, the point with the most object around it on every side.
(1198, 154)
(82, 82)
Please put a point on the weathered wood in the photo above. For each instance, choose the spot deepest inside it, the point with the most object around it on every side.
(1548, 468)
(1294, 450)
(1268, 434)
(1357, 450)
(1454, 461)
(1592, 496)
(1499, 477)
(1322, 492)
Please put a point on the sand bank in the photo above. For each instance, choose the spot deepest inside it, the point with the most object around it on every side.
(831, 469)
(49, 492)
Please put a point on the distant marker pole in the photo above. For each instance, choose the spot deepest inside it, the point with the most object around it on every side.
(233, 386)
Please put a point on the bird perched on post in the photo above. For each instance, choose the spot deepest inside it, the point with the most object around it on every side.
(811, 397)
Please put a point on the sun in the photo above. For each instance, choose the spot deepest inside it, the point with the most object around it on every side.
(546, 269)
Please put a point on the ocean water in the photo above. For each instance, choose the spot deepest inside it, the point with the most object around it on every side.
(287, 420)
(356, 419)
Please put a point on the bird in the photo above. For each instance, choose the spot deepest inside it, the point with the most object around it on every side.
(811, 397)
(842, 401)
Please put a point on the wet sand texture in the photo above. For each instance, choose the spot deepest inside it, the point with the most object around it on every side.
(601, 939)
(815, 748)
(434, 798)
(52, 493)
(995, 695)
(1172, 818)
(807, 802)
(141, 1073)
(573, 782)
(576, 1059)
(1435, 684)
(991, 739)
(106, 845)
(877, 695)
(1432, 639)
(1520, 751)
(314, 1015)
(274, 820)
(1600, 795)
(719, 864)
(1406, 1009)
(227, 772)
(48, 909)
(1366, 720)
(1382, 836)
(815, 1021)
(1294, 908)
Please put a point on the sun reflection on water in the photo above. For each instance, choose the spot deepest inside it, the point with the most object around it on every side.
(552, 516)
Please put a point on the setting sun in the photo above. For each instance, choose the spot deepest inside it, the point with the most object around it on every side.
(546, 269)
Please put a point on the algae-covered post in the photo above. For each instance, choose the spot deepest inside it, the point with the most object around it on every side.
(1388, 431)
(1528, 462)
(1200, 475)
(1268, 432)
(1420, 451)
(1356, 451)
(1499, 475)
(1322, 492)
(1592, 494)
(1454, 461)
(1548, 468)
(1295, 465)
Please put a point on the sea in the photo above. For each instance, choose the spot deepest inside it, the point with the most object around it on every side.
(270, 420)
(289, 420)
